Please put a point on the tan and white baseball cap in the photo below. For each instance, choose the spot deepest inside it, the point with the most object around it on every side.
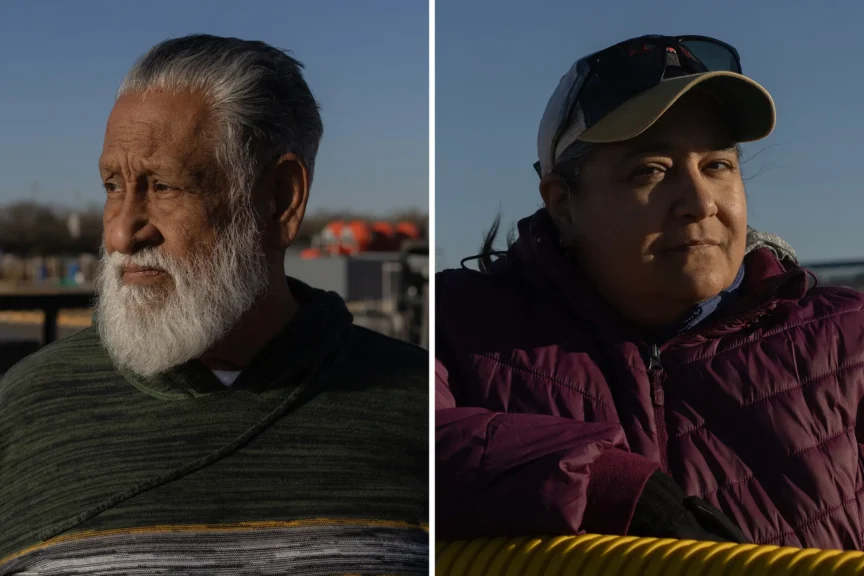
(749, 106)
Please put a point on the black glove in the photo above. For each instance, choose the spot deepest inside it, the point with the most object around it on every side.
(664, 511)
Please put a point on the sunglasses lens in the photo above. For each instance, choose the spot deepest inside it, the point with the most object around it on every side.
(708, 56)
(620, 74)
(631, 68)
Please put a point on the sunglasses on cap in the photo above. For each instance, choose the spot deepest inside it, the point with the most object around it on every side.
(620, 72)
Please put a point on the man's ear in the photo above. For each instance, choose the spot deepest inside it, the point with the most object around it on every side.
(556, 195)
(290, 195)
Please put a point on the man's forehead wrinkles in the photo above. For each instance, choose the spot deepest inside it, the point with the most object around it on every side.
(170, 162)
(162, 137)
(137, 145)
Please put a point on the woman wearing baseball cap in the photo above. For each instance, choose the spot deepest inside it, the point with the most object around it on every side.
(640, 361)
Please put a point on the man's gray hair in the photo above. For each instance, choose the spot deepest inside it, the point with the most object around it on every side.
(261, 103)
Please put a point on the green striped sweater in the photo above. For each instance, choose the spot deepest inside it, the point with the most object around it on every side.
(314, 462)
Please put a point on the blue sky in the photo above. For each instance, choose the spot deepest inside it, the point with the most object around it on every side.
(498, 62)
(366, 62)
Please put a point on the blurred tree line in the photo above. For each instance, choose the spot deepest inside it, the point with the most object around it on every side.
(32, 229)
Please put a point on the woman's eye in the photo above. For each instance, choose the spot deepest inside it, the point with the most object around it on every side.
(648, 170)
(719, 165)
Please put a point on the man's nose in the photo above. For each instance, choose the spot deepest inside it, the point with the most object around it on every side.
(131, 228)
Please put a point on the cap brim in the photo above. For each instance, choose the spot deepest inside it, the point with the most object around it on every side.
(749, 106)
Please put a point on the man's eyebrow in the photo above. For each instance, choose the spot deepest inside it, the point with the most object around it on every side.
(198, 174)
(106, 164)
(154, 166)
(164, 166)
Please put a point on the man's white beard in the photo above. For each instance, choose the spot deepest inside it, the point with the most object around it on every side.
(150, 329)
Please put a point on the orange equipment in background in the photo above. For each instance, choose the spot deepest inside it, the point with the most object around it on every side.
(339, 238)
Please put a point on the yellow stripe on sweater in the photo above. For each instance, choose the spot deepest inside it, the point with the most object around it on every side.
(265, 525)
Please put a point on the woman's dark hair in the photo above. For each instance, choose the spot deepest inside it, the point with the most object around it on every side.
(567, 168)
(488, 253)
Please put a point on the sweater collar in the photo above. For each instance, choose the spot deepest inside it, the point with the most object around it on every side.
(307, 340)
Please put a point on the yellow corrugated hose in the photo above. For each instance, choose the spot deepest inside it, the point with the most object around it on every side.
(594, 555)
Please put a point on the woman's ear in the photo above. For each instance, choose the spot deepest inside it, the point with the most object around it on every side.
(290, 187)
(556, 196)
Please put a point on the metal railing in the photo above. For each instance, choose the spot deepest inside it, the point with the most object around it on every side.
(410, 323)
(838, 264)
(596, 555)
(50, 303)
(388, 316)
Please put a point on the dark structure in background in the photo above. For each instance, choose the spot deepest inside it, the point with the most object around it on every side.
(49, 258)
(50, 303)
(29, 228)
(386, 292)
(849, 273)
(413, 300)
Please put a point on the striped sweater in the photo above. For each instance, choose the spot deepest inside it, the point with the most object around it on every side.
(314, 462)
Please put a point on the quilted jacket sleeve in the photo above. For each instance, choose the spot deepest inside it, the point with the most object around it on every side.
(502, 474)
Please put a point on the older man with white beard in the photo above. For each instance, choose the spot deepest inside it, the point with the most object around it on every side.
(219, 418)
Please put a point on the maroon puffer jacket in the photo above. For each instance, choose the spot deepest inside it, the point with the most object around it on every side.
(551, 414)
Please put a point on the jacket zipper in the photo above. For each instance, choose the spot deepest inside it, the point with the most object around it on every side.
(656, 377)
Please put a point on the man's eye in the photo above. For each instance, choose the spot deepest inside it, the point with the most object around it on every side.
(111, 187)
(162, 187)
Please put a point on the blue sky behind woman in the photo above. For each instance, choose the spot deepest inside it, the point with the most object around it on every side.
(368, 68)
(495, 69)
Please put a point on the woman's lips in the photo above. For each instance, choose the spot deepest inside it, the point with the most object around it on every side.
(692, 245)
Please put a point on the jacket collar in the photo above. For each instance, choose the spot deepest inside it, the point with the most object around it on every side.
(538, 252)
